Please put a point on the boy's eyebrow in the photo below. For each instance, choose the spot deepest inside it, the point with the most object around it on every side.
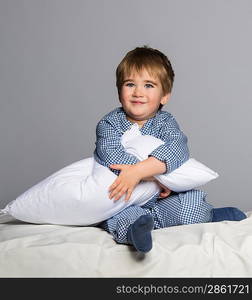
(151, 81)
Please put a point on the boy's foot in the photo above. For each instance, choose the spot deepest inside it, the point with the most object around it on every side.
(139, 233)
(227, 213)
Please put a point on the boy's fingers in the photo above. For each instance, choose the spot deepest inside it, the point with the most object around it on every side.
(164, 194)
(113, 186)
(128, 195)
(115, 191)
(119, 195)
(115, 167)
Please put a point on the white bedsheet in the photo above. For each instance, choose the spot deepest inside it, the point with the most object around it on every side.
(221, 249)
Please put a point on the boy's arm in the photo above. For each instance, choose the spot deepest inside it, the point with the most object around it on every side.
(174, 152)
(109, 149)
(131, 175)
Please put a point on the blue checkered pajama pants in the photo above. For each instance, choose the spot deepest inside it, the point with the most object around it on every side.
(178, 209)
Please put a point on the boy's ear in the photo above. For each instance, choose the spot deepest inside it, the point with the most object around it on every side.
(165, 98)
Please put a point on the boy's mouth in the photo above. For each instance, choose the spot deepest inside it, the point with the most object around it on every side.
(138, 102)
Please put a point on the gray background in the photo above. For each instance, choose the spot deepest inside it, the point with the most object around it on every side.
(57, 79)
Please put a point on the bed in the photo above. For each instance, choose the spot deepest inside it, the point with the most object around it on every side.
(221, 249)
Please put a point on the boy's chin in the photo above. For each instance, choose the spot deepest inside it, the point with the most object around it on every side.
(141, 116)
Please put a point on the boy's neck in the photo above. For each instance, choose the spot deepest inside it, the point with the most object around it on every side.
(140, 123)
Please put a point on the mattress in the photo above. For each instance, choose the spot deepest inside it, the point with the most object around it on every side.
(222, 249)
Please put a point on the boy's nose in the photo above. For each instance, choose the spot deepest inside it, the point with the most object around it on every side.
(137, 92)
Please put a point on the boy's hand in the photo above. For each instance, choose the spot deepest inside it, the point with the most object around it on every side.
(128, 178)
(165, 191)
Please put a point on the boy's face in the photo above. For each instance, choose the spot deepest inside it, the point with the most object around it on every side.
(141, 95)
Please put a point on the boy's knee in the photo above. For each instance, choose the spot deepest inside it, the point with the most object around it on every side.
(194, 208)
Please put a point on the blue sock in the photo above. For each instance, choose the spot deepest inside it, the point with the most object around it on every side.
(227, 213)
(139, 233)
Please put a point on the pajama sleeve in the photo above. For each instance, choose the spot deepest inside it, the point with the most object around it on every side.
(109, 149)
(174, 152)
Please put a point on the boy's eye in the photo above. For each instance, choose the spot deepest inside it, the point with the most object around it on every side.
(148, 85)
(130, 84)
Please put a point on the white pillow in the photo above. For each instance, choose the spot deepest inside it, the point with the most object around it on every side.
(78, 194)
(75, 195)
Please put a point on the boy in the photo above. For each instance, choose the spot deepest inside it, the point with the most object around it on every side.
(144, 82)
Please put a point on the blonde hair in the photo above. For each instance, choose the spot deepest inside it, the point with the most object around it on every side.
(155, 62)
